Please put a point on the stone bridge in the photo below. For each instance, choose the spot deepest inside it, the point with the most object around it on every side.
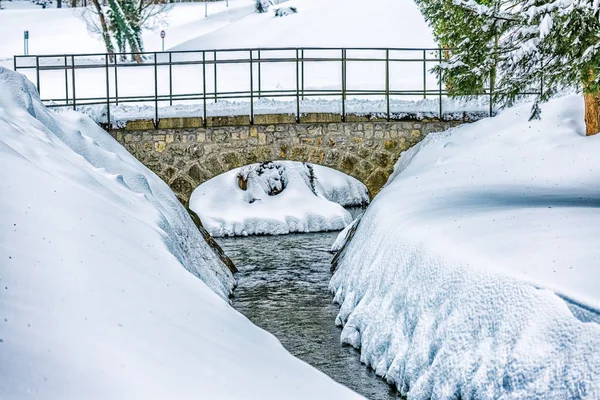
(185, 154)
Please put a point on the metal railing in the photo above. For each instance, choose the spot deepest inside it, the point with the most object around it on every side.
(82, 72)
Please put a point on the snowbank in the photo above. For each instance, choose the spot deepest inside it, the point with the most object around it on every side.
(276, 198)
(95, 299)
(474, 273)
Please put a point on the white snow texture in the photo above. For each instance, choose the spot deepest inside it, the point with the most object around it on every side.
(474, 273)
(279, 197)
(95, 299)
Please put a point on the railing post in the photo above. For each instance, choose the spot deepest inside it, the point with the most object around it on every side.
(387, 82)
(297, 89)
(302, 55)
(343, 85)
(170, 80)
(204, 88)
(116, 81)
(37, 74)
(440, 85)
(424, 74)
(259, 85)
(73, 81)
(215, 68)
(66, 83)
(15, 62)
(251, 92)
(155, 91)
(107, 92)
(491, 95)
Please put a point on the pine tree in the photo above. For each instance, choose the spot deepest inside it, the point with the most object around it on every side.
(515, 47)
(262, 6)
(123, 27)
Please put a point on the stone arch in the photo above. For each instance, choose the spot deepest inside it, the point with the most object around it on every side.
(187, 157)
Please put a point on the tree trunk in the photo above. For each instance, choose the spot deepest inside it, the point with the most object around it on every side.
(105, 34)
(592, 113)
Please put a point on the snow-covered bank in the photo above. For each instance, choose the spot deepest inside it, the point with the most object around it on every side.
(95, 298)
(277, 198)
(454, 283)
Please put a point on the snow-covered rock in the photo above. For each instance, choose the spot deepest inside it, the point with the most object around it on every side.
(96, 301)
(276, 198)
(475, 271)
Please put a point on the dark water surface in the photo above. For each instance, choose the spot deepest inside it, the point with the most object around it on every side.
(282, 287)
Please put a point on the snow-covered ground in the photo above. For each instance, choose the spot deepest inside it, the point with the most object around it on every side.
(277, 198)
(63, 31)
(107, 289)
(474, 272)
(318, 23)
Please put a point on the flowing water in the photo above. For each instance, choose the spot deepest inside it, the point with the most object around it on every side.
(282, 287)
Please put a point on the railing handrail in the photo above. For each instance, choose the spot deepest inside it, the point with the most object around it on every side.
(232, 50)
(252, 56)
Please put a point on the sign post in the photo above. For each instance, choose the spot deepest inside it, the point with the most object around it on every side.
(26, 42)
(162, 36)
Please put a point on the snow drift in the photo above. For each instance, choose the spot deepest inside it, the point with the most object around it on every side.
(474, 273)
(95, 299)
(277, 198)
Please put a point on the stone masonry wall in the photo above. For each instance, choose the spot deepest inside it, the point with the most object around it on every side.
(185, 154)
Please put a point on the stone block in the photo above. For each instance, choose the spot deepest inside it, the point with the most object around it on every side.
(273, 119)
(140, 125)
(180, 123)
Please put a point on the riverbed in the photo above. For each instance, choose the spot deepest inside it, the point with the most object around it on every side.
(283, 288)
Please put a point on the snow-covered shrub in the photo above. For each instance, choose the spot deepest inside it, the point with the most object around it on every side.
(283, 11)
(262, 6)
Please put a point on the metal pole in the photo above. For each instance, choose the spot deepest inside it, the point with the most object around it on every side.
(424, 74)
(170, 80)
(66, 83)
(73, 81)
(259, 85)
(204, 87)
(107, 92)
(251, 92)
(297, 89)
(215, 66)
(302, 54)
(37, 74)
(343, 85)
(491, 95)
(116, 82)
(205, 9)
(155, 92)
(387, 82)
(440, 85)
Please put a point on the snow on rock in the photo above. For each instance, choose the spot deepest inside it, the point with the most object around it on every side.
(474, 272)
(276, 198)
(96, 301)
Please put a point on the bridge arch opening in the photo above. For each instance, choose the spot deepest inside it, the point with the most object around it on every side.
(187, 154)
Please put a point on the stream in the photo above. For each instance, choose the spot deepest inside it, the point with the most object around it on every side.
(283, 288)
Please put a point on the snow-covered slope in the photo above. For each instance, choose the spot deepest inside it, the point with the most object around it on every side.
(325, 23)
(96, 301)
(63, 31)
(277, 198)
(475, 271)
